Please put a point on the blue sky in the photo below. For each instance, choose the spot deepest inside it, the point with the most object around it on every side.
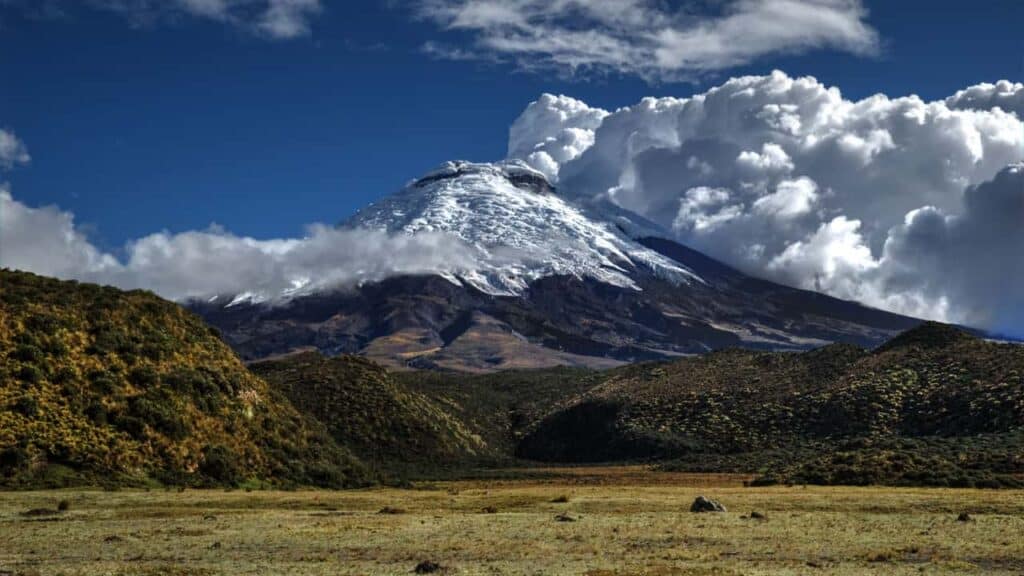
(179, 123)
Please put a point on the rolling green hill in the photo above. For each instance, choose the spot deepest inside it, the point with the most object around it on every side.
(423, 424)
(387, 424)
(933, 406)
(101, 386)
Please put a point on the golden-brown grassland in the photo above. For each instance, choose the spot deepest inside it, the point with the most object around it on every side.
(627, 521)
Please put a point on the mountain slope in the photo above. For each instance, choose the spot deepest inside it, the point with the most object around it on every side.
(103, 386)
(554, 283)
(932, 392)
(385, 423)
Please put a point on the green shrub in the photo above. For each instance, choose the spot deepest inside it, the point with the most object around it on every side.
(221, 465)
(27, 405)
(63, 375)
(103, 382)
(30, 374)
(157, 408)
(96, 413)
(28, 353)
(143, 376)
(13, 459)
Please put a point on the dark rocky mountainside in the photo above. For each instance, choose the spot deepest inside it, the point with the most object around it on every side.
(100, 386)
(429, 322)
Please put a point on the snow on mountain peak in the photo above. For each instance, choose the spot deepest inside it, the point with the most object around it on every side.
(511, 215)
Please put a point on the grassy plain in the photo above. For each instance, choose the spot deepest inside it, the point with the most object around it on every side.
(627, 520)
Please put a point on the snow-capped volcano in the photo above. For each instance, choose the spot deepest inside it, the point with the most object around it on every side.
(527, 278)
(520, 227)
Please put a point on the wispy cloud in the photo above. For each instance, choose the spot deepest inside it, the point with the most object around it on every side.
(274, 19)
(12, 151)
(288, 18)
(647, 37)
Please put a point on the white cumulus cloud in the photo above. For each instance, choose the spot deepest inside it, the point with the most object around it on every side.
(552, 131)
(1006, 95)
(45, 240)
(827, 259)
(785, 178)
(791, 199)
(650, 38)
(972, 259)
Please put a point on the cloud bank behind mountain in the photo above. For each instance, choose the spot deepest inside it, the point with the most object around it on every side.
(785, 178)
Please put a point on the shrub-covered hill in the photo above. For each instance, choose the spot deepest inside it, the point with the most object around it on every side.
(422, 423)
(384, 422)
(98, 386)
(934, 405)
(501, 407)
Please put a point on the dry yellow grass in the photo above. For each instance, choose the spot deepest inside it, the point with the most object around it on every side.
(629, 521)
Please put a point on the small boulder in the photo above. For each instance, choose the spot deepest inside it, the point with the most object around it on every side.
(40, 512)
(564, 518)
(758, 516)
(702, 504)
(964, 517)
(426, 567)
